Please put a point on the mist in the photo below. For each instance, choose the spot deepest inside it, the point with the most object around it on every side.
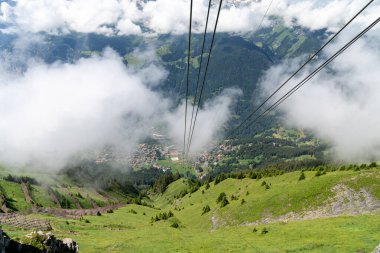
(210, 121)
(53, 113)
(341, 104)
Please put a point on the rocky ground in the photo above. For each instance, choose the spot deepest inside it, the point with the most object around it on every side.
(345, 201)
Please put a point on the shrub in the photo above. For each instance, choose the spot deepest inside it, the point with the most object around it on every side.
(263, 183)
(302, 177)
(320, 168)
(175, 225)
(206, 209)
(372, 165)
(224, 202)
(221, 197)
(132, 211)
(242, 202)
(182, 194)
(194, 186)
(240, 175)
(22, 179)
(220, 178)
(264, 231)
(162, 216)
(110, 211)
(253, 175)
(233, 197)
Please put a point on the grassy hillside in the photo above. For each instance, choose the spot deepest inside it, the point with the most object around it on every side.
(285, 194)
(258, 224)
(53, 192)
(15, 195)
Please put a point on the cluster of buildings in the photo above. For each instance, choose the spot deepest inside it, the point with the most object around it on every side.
(149, 154)
(144, 155)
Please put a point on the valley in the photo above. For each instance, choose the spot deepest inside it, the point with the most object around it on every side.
(181, 126)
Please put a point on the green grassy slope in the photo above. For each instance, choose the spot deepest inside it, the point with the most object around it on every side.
(14, 192)
(286, 194)
(41, 196)
(123, 231)
(133, 231)
(66, 195)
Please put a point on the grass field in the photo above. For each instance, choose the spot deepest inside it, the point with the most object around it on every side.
(176, 166)
(130, 228)
(14, 192)
(41, 196)
(123, 231)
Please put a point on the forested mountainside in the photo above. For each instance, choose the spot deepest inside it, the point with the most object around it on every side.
(238, 61)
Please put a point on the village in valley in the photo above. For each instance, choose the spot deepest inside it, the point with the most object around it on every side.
(159, 153)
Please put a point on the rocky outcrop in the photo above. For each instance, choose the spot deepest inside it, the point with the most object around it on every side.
(70, 245)
(37, 242)
(377, 250)
(4, 241)
(346, 201)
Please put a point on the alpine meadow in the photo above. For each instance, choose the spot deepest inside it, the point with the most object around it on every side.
(189, 126)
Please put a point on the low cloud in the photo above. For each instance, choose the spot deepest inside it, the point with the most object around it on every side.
(52, 113)
(341, 103)
(210, 121)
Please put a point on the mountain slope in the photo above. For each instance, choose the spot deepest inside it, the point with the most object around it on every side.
(257, 225)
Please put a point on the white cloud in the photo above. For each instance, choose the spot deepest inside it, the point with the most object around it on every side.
(167, 16)
(331, 15)
(340, 104)
(51, 113)
(209, 125)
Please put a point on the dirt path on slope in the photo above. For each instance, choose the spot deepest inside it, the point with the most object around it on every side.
(345, 201)
(93, 202)
(73, 199)
(3, 203)
(24, 221)
(77, 213)
(28, 198)
(54, 197)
